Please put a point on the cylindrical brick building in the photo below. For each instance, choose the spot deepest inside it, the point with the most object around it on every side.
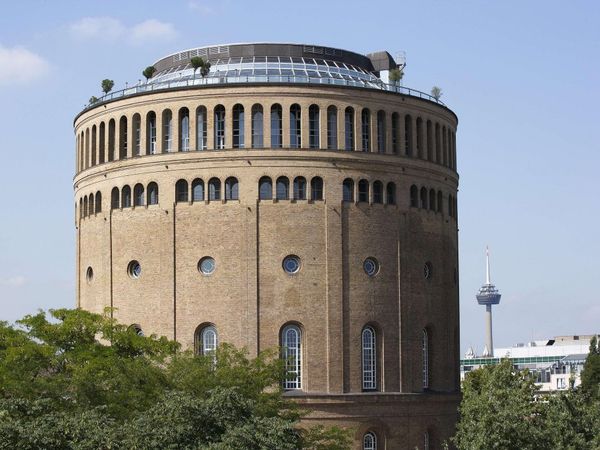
(289, 197)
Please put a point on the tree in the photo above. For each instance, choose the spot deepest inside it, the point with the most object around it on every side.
(590, 376)
(205, 69)
(436, 92)
(396, 76)
(82, 381)
(107, 85)
(197, 62)
(149, 72)
(93, 99)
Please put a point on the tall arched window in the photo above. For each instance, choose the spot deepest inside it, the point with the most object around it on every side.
(377, 192)
(80, 208)
(365, 130)
(332, 128)
(184, 130)
(151, 133)
(370, 441)
(201, 130)
(299, 188)
(214, 189)
(291, 353)
(111, 140)
(381, 131)
(440, 202)
(238, 126)
(152, 194)
(408, 135)
(265, 188)
(87, 148)
(414, 196)
(432, 198)
(137, 134)
(363, 191)
(114, 198)
(390, 194)
(295, 126)
(94, 145)
(181, 191)
(349, 129)
(316, 188)
(219, 127)
(395, 133)
(257, 126)
(85, 206)
(126, 197)
(429, 141)
(313, 126)
(197, 190)
(425, 354)
(206, 340)
(423, 198)
(369, 359)
(101, 143)
(98, 202)
(444, 147)
(438, 144)
(232, 191)
(419, 137)
(282, 188)
(276, 127)
(123, 137)
(138, 195)
(91, 209)
(348, 190)
(167, 127)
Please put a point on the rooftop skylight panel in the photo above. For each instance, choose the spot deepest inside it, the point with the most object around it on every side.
(297, 60)
(273, 59)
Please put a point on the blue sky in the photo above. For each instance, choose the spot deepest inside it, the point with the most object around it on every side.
(522, 76)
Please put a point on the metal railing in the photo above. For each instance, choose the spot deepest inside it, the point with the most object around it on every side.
(215, 80)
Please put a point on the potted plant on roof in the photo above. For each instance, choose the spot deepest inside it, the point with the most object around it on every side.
(149, 72)
(107, 85)
(436, 92)
(396, 76)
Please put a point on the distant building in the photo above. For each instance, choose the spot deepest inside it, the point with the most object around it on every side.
(554, 361)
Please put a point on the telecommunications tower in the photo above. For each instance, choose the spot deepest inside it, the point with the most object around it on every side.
(488, 295)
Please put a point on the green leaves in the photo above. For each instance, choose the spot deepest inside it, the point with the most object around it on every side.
(149, 72)
(107, 85)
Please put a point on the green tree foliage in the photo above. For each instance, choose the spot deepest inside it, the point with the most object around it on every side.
(79, 380)
(149, 72)
(205, 68)
(590, 376)
(197, 62)
(396, 75)
(107, 85)
(436, 92)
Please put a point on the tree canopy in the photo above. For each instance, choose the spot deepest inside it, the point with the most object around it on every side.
(107, 85)
(79, 380)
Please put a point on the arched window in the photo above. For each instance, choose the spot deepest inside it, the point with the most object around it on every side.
(219, 127)
(450, 206)
(167, 127)
(348, 190)
(111, 139)
(137, 135)
(181, 191)
(197, 190)
(98, 202)
(381, 131)
(91, 209)
(126, 197)
(94, 145)
(429, 141)
(214, 189)
(232, 191)
(201, 130)
(238, 126)
(299, 188)
(332, 128)
(80, 209)
(101, 143)
(138, 195)
(291, 353)
(206, 340)
(369, 359)
(366, 130)
(438, 144)
(313, 126)
(414, 196)
(377, 192)
(265, 188)
(390, 194)
(282, 188)
(408, 135)
(454, 150)
(276, 127)
(151, 133)
(114, 198)
(423, 198)
(257, 126)
(87, 148)
(153, 193)
(184, 130)
(395, 133)
(295, 126)
(349, 129)
(363, 191)
(85, 206)
(370, 441)
(440, 202)
(444, 147)
(123, 138)
(316, 188)
(425, 352)
(419, 137)
(432, 199)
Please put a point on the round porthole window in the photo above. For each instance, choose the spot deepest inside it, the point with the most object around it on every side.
(371, 266)
(427, 270)
(207, 265)
(291, 264)
(89, 274)
(134, 269)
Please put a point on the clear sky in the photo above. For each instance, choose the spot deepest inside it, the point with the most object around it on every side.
(522, 76)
